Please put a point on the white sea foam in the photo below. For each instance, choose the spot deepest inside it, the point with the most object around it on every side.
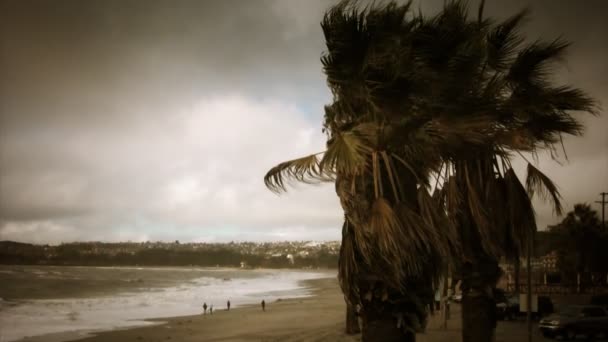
(39, 317)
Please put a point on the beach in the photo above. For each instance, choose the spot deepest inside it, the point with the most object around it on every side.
(316, 318)
(319, 317)
(130, 297)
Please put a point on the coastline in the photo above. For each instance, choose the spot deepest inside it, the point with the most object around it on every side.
(319, 317)
(244, 323)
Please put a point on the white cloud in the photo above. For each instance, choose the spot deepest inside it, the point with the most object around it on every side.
(203, 172)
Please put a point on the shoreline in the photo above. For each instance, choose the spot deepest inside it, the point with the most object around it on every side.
(58, 284)
(319, 317)
(181, 326)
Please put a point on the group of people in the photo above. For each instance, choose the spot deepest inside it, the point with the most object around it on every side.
(227, 307)
(210, 308)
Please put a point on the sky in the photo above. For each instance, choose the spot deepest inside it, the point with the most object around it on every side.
(157, 120)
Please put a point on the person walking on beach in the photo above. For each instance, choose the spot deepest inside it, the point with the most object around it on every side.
(204, 308)
(211, 309)
(263, 305)
(228, 305)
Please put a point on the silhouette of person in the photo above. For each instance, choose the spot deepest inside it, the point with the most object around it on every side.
(228, 305)
(204, 308)
(211, 309)
(263, 305)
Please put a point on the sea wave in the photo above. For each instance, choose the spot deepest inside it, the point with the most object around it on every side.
(38, 317)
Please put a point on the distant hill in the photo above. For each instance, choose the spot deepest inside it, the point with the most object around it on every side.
(268, 254)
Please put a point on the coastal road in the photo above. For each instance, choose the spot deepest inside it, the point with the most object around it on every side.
(506, 331)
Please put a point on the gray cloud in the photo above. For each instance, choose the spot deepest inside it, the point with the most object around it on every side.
(157, 119)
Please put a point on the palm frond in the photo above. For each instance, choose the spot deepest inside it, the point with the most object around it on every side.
(521, 213)
(547, 128)
(516, 139)
(409, 167)
(538, 183)
(385, 226)
(306, 170)
(480, 214)
(365, 246)
(347, 43)
(453, 198)
(392, 175)
(566, 98)
(346, 154)
(453, 133)
(442, 230)
(532, 64)
(504, 40)
(495, 198)
(415, 244)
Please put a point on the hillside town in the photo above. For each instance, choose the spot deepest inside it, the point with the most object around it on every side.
(296, 254)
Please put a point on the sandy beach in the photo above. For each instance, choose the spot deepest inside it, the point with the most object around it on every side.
(316, 318)
(320, 317)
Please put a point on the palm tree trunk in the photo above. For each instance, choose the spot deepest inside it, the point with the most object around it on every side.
(390, 319)
(352, 322)
(516, 264)
(386, 314)
(393, 315)
(478, 305)
(381, 328)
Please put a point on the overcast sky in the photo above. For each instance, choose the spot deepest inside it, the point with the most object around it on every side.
(156, 120)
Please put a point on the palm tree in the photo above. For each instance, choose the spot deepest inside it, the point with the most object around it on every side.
(395, 234)
(488, 73)
(426, 116)
(581, 241)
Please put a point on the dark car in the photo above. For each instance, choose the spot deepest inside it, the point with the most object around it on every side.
(600, 300)
(572, 321)
(507, 306)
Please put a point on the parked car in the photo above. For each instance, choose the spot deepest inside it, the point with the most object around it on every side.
(601, 300)
(457, 297)
(507, 306)
(572, 321)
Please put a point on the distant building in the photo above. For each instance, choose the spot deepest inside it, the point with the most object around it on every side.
(549, 261)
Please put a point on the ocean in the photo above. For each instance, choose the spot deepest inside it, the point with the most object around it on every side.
(41, 300)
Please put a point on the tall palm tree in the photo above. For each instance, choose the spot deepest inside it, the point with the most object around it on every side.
(426, 115)
(487, 72)
(395, 233)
